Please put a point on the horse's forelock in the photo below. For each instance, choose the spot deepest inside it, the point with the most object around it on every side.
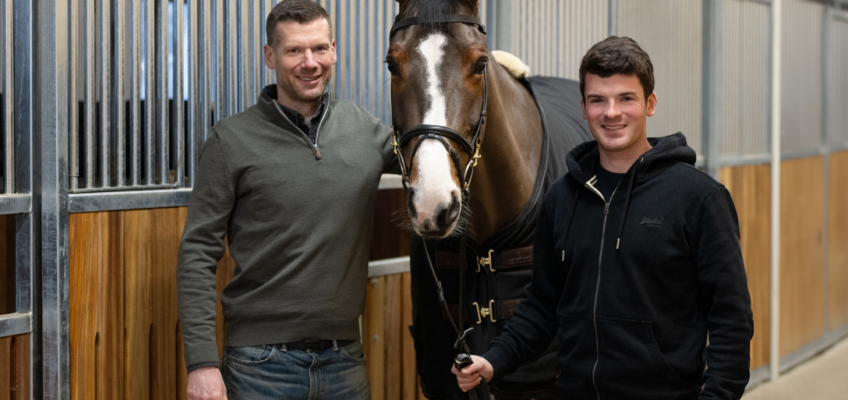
(431, 9)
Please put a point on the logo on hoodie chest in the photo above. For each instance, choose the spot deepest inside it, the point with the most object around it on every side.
(652, 222)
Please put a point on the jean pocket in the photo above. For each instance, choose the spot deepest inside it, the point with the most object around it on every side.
(629, 353)
(249, 355)
(353, 352)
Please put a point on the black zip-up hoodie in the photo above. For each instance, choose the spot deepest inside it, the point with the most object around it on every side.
(632, 284)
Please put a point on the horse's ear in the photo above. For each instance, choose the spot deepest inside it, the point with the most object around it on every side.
(472, 5)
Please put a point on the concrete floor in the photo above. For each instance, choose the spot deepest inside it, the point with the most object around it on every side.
(824, 377)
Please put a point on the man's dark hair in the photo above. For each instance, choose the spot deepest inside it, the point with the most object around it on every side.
(300, 11)
(618, 55)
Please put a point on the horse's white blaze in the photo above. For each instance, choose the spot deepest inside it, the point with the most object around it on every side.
(435, 186)
(431, 49)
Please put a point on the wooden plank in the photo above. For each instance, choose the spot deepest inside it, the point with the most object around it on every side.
(96, 304)
(82, 299)
(20, 367)
(165, 232)
(138, 262)
(410, 372)
(182, 377)
(5, 367)
(393, 333)
(750, 187)
(801, 253)
(374, 339)
(837, 268)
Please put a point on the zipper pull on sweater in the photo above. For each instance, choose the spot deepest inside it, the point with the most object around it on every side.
(317, 153)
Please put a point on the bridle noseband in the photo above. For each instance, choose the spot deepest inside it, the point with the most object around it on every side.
(439, 132)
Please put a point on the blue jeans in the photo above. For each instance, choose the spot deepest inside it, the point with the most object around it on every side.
(276, 372)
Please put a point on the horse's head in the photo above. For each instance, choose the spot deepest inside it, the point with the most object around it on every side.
(438, 75)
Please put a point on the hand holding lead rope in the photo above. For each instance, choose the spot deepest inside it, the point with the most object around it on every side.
(463, 359)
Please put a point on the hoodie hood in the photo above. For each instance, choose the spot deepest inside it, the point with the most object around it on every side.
(664, 151)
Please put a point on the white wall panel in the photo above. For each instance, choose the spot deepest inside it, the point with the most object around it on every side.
(801, 81)
(671, 32)
(745, 78)
(838, 82)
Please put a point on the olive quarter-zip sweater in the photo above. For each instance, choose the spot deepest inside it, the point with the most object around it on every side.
(297, 218)
(631, 284)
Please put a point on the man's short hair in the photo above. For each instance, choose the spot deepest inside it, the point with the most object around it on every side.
(618, 55)
(300, 11)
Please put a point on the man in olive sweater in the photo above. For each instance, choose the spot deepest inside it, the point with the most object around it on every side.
(291, 184)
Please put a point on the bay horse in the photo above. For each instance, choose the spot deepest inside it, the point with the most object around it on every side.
(458, 115)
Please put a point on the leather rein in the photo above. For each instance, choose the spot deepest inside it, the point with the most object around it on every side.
(471, 147)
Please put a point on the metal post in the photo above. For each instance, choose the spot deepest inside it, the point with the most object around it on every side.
(105, 93)
(612, 18)
(163, 126)
(74, 99)
(119, 127)
(135, 95)
(27, 226)
(774, 310)
(504, 32)
(51, 124)
(150, 92)
(178, 127)
(712, 81)
(8, 97)
(89, 94)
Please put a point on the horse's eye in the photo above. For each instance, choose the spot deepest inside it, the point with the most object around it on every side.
(480, 65)
(393, 67)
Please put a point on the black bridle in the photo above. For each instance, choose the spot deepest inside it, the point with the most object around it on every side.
(471, 147)
(439, 132)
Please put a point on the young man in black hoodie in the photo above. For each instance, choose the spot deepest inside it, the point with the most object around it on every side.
(637, 259)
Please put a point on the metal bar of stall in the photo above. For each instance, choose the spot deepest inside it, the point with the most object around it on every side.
(8, 104)
(150, 93)
(242, 42)
(194, 97)
(178, 127)
(119, 155)
(216, 47)
(73, 113)
(163, 125)
(50, 130)
(232, 56)
(105, 94)
(89, 94)
(135, 95)
(27, 225)
(263, 72)
(205, 56)
(254, 52)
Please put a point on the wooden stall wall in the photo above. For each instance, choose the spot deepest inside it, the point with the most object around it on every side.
(125, 334)
(750, 187)
(802, 318)
(837, 254)
(14, 367)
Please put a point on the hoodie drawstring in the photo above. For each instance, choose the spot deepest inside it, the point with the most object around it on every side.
(627, 202)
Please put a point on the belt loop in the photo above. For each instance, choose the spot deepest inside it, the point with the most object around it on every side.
(335, 345)
(283, 347)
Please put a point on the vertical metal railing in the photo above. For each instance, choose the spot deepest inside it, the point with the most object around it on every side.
(7, 77)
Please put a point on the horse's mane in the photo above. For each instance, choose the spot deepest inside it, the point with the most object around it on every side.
(429, 9)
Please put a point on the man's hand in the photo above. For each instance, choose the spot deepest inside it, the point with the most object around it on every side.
(471, 375)
(206, 384)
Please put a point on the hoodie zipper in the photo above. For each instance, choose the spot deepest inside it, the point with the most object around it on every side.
(590, 185)
(314, 146)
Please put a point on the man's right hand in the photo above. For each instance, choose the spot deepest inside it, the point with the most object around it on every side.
(206, 384)
(471, 375)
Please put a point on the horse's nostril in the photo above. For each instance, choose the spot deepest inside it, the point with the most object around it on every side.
(453, 210)
(410, 205)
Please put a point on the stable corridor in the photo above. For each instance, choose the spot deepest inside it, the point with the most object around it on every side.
(824, 377)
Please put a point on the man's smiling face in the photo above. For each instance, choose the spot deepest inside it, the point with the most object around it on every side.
(303, 60)
(616, 110)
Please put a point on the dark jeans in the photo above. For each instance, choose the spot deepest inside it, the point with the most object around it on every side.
(276, 372)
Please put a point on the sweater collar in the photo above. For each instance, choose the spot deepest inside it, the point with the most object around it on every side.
(269, 111)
